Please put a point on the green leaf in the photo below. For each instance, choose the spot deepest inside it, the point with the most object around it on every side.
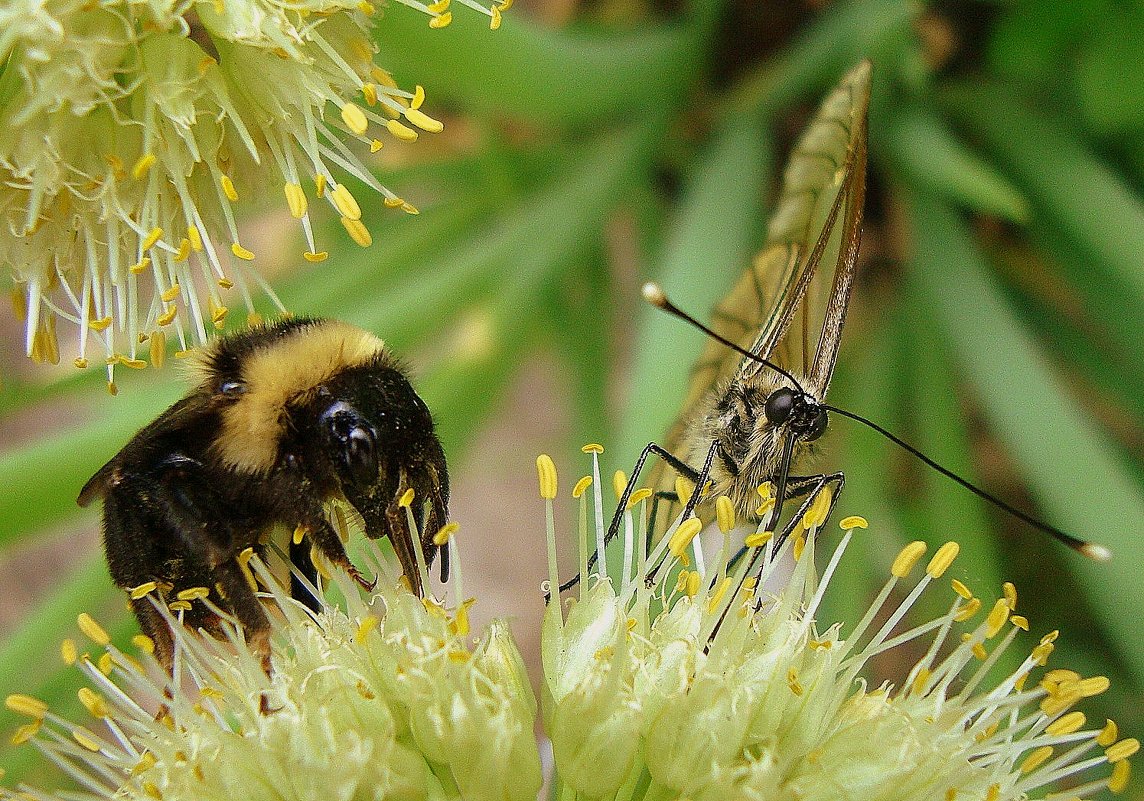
(1074, 473)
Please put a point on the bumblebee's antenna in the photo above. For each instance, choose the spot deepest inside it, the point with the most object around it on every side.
(655, 295)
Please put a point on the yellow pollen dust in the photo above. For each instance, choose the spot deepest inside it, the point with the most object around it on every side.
(170, 294)
(167, 317)
(581, 486)
(358, 232)
(793, 682)
(92, 630)
(546, 472)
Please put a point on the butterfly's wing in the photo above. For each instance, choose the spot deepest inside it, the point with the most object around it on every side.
(783, 308)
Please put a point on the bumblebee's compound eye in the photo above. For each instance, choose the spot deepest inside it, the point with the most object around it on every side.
(817, 425)
(352, 438)
(779, 405)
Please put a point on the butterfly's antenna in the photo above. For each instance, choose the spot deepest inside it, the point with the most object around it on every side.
(653, 293)
(1092, 550)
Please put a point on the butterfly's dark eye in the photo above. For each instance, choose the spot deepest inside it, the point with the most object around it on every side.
(779, 405)
(817, 425)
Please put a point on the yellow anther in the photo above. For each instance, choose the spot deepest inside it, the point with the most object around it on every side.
(852, 522)
(151, 239)
(94, 632)
(1108, 734)
(581, 486)
(798, 546)
(1020, 621)
(441, 20)
(80, 362)
(423, 120)
(241, 252)
(375, 145)
(406, 499)
(86, 739)
(951, 794)
(105, 664)
(942, 559)
(396, 203)
(693, 580)
(145, 763)
(546, 473)
(321, 255)
(1041, 653)
(683, 536)
(400, 130)
(170, 294)
(766, 490)
(418, 95)
(167, 317)
(1092, 686)
(1066, 724)
(93, 702)
(681, 580)
(1037, 758)
(369, 92)
(299, 534)
(28, 731)
(639, 496)
(1051, 637)
(185, 606)
(683, 489)
(367, 624)
(355, 118)
(1118, 781)
(112, 389)
(228, 187)
(998, 617)
(619, 483)
(439, 6)
(1054, 705)
(101, 324)
(144, 643)
(445, 533)
(920, 681)
(320, 184)
(193, 594)
(907, 558)
(139, 267)
(252, 319)
(717, 596)
(592, 447)
(134, 364)
(969, 610)
(345, 202)
(495, 22)
(1009, 591)
(26, 705)
(143, 166)
(980, 652)
(142, 590)
(158, 348)
(68, 651)
(295, 200)
(793, 682)
(758, 539)
(184, 250)
(816, 515)
(358, 232)
(194, 238)
(725, 514)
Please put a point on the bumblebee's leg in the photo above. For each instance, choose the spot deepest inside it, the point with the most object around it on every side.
(681, 467)
(326, 540)
(300, 557)
(246, 607)
(152, 624)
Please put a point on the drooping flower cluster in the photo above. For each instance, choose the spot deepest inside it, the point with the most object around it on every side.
(129, 129)
(384, 698)
(719, 683)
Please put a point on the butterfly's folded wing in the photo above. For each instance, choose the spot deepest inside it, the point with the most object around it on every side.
(784, 308)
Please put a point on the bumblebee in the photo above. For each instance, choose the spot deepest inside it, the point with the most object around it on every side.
(284, 418)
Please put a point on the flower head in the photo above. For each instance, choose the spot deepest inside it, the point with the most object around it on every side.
(386, 698)
(129, 131)
(719, 682)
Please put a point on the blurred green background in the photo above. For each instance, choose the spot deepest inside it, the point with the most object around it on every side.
(589, 146)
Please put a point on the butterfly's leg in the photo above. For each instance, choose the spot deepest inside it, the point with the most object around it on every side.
(677, 464)
(688, 508)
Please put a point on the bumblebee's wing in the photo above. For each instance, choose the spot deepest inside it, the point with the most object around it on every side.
(178, 416)
(783, 308)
